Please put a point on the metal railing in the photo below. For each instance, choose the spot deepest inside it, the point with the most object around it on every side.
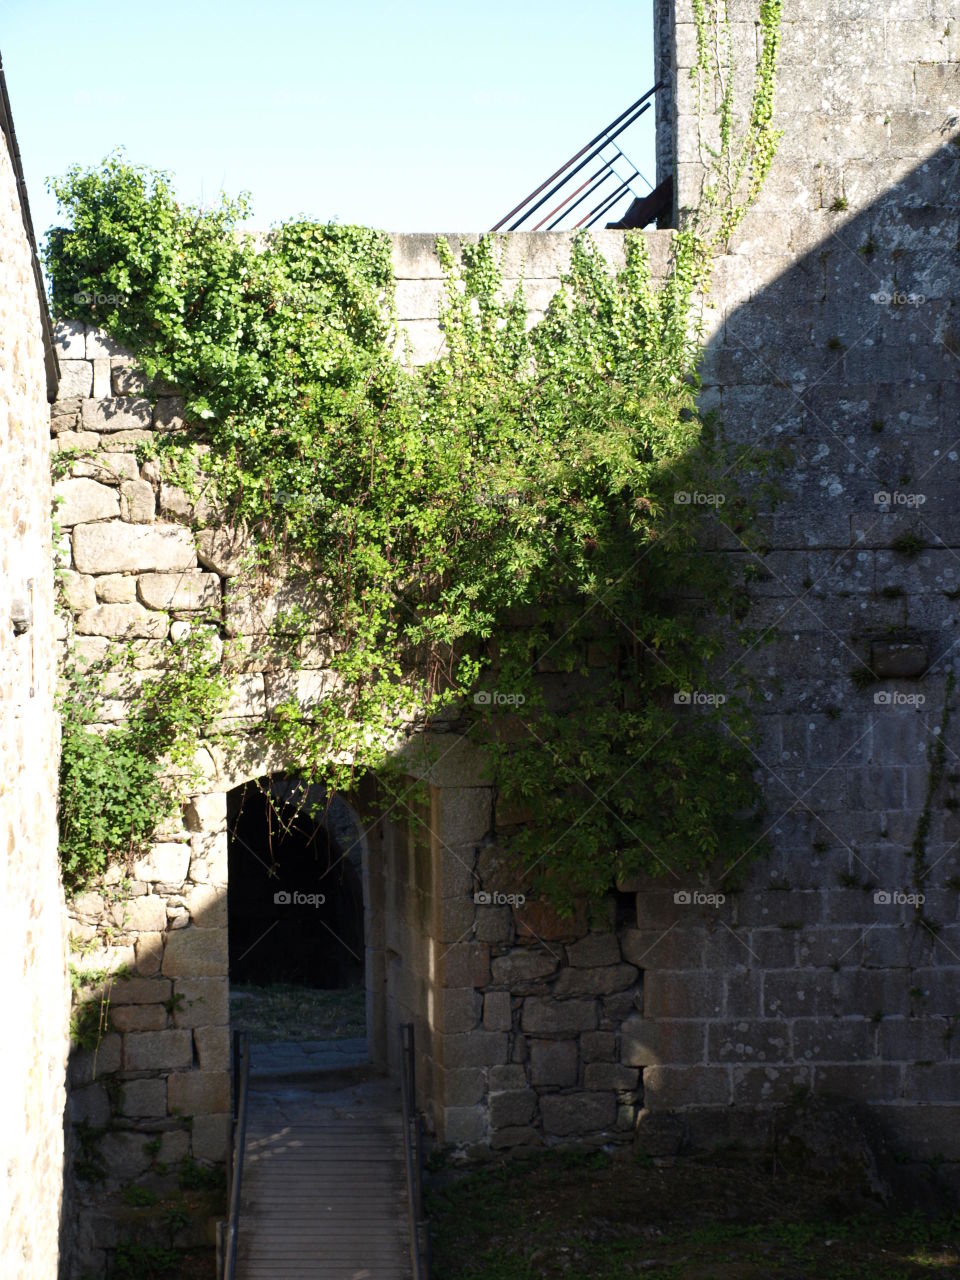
(413, 1153)
(603, 149)
(238, 1138)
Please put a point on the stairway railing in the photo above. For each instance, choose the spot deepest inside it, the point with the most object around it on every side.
(413, 1155)
(238, 1139)
(603, 149)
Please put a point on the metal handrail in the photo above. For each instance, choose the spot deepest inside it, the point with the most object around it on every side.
(241, 1082)
(413, 1154)
(593, 150)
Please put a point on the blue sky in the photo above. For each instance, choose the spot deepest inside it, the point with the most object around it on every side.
(431, 117)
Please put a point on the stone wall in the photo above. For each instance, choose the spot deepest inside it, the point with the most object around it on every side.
(510, 1049)
(665, 74)
(32, 943)
(833, 333)
(700, 1006)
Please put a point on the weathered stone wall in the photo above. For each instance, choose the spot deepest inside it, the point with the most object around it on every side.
(831, 330)
(665, 74)
(833, 333)
(137, 570)
(32, 942)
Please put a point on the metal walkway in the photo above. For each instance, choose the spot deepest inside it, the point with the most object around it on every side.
(324, 1190)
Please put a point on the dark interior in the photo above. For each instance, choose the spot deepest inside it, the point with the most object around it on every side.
(281, 861)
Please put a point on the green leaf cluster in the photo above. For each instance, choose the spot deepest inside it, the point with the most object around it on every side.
(116, 784)
(499, 540)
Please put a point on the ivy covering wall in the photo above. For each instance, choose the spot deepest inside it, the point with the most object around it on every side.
(504, 514)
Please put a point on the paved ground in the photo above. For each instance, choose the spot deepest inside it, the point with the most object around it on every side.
(324, 1185)
(307, 1057)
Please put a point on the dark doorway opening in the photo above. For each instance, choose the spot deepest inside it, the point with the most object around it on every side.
(296, 926)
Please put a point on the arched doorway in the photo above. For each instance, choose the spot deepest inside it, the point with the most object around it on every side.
(298, 922)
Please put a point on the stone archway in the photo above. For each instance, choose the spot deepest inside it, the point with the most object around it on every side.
(300, 915)
(295, 909)
(422, 960)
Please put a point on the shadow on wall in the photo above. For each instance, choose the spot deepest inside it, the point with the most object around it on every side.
(839, 966)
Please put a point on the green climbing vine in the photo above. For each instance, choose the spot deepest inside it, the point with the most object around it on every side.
(737, 164)
(116, 785)
(513, 540)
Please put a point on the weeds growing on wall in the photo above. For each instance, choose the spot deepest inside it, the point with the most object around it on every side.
(117, 785)
(512, 538)
(738, 158)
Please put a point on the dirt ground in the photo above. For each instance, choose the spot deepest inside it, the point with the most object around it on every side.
(595, 1217)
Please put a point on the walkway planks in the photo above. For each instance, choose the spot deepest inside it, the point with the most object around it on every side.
(324, 1183)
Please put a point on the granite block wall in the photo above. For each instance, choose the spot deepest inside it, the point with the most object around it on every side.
(831, 344)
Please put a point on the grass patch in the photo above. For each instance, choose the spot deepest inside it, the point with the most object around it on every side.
(292, 1013)
(585, 1217)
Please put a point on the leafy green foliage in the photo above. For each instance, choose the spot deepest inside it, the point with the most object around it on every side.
(510, 539)
(89, 1164)
(193, 1176)
(115, 784)
(135, 1261)
(137, 1197)
(738, 162)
